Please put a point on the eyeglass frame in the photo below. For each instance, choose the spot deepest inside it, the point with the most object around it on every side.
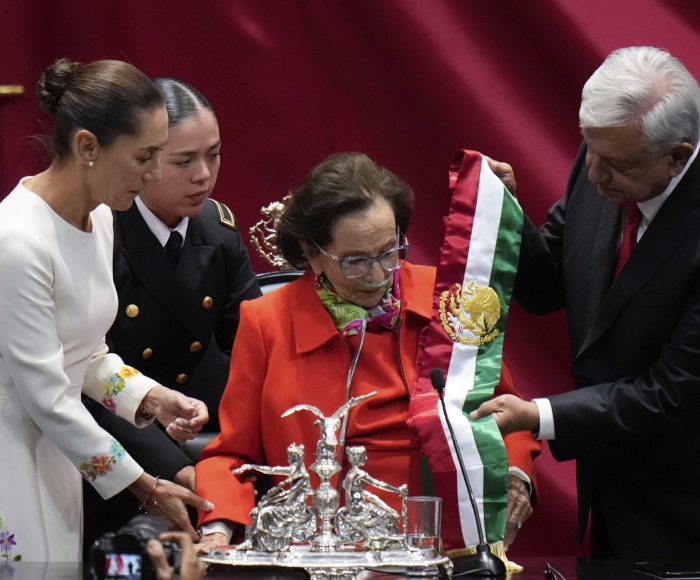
(375, 259)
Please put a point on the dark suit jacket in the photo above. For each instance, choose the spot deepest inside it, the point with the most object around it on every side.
(633, 423)
(184, 317)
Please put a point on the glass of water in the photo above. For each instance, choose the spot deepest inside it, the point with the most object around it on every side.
(423, 520)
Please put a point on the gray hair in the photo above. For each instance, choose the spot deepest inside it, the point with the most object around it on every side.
(646, 87)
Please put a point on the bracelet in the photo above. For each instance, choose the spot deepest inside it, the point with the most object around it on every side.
(151, 493)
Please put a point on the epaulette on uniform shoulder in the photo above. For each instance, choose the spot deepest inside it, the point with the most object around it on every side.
(225, 214)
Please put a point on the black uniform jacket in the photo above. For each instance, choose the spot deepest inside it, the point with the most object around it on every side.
(633, 422)
(166, 317)
(176, 326)
(170, 320)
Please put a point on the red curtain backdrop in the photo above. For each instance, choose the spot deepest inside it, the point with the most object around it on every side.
(405, 81)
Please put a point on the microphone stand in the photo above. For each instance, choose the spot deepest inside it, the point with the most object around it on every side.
(484, 562)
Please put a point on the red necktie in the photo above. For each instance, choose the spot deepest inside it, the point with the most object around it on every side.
(629, 240)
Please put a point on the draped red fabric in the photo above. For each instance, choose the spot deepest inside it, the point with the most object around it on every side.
(406, 81)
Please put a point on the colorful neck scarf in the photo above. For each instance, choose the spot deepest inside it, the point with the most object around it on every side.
(348, 317)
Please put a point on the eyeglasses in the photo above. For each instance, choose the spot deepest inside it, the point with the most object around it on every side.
(358, 266)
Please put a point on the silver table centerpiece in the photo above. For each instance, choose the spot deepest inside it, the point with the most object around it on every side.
(330, 542)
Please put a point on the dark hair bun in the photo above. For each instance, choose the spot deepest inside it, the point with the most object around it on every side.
(52, 83)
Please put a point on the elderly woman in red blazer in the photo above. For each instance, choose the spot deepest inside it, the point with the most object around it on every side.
(349, 326)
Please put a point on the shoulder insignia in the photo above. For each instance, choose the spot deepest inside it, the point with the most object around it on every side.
(225, 214)
(471, 316)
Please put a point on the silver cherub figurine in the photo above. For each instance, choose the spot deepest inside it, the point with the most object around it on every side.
(365, 517)
(282, 516)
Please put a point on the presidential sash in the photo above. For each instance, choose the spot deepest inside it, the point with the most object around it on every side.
(475, 276)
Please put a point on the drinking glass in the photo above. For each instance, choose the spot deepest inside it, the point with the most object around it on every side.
(423, 521)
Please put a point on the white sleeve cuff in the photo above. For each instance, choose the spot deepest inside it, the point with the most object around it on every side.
(512, 470)
(117, 386)
(217, 526)
(546, 419)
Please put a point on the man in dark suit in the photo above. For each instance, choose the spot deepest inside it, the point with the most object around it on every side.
(621, 252)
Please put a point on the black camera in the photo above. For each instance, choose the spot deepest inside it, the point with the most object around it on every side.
(123, 556)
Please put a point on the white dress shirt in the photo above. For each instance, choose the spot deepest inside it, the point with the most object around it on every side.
(159, 229)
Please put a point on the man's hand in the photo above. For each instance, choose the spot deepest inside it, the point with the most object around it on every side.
(511, 413)
(504, 172)
(211, 541)
(519, 508)
(190, 568)
(182, 417)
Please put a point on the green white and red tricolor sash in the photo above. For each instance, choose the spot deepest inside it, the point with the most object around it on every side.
(480, 253)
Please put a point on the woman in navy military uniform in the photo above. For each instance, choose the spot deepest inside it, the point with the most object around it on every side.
(181, 270)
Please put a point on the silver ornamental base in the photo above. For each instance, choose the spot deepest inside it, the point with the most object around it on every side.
(340, 565)
(321, 538)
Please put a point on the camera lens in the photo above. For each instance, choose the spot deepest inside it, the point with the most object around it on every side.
(144, 527)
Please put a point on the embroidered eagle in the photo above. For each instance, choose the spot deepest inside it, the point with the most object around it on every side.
(472, 314)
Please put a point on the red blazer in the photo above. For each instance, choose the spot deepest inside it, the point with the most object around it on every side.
(287, 352)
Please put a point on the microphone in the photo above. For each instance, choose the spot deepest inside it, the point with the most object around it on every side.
(483, 563)
(437, 378)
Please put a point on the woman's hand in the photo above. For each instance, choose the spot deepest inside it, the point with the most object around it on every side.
(190, 568)
(211, 541)
(186, 477)
(168, 500)
(519, 508)
(182, 417)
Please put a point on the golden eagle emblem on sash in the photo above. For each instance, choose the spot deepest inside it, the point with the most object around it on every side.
(470, 315)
